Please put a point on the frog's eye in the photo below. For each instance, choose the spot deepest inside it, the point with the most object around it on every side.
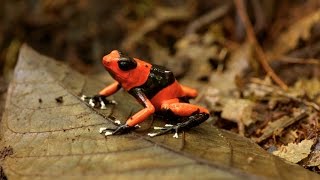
(126, 63)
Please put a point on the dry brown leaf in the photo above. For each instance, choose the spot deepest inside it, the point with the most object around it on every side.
(192, 47)
(295, 152)
(53, 140)
(278, 125)
(299, 30)
(309, 87)
(238, 62)
(315, 159)
(161, 15)
(238, 110)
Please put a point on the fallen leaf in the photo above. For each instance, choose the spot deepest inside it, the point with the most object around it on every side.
(191, 47)
(238, 110)
(222, 84)
(53, 140)
(314, 158)
(161, 15)
(238, 63)
(278, 125)
(309, 87)
(295, 152)
(299, 30)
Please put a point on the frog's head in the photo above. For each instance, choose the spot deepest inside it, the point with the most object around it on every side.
(118, 65)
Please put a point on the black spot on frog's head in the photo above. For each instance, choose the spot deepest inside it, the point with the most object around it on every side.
(126, 63)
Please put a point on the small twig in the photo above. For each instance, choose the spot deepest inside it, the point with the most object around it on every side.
(183, 140)
(161, 15)
(259, 15)
(295, 60)
(279, 92)
(207, 18)
(252, 39)
(149, 125)
(280, 123)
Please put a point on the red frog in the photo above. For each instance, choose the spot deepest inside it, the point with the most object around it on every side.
(156, 88)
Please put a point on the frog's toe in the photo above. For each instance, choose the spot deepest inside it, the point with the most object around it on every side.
(103, 129)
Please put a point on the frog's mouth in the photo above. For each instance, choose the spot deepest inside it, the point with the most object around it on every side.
(115, 76)
(111, 74)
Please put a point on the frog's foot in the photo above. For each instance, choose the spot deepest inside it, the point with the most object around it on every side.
(192, 121)
(97, 101)
(166, 129)
(121, 129)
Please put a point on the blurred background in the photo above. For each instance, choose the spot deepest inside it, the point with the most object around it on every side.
(80, 32)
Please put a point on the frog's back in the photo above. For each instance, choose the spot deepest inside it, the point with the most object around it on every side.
(158, 79)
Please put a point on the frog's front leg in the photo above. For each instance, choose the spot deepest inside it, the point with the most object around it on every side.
(132, 122)
(100, 100)
(122, 129)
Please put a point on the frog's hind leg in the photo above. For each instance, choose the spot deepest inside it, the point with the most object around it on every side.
(182, 109)
(193, 115)
(193, 120)
(189, 92)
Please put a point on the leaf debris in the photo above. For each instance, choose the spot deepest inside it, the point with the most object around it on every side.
(295, 152)
(6, 151)
(59, 99)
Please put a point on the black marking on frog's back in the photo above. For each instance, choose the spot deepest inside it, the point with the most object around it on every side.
(159, 78)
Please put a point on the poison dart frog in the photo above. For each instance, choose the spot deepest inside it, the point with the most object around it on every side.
(156, 88)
